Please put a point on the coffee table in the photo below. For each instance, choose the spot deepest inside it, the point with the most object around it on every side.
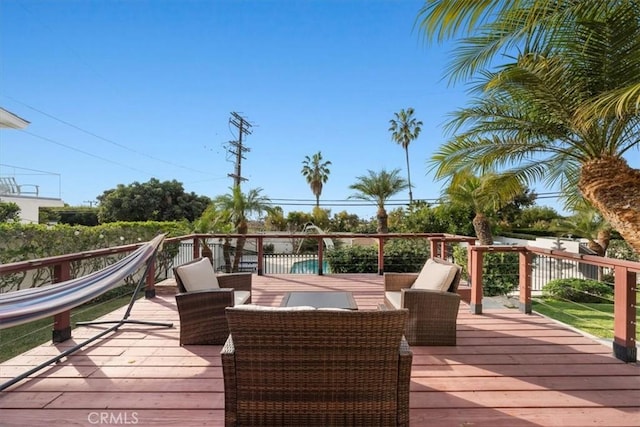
(320, 299)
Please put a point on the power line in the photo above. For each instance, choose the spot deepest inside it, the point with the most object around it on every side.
(124, 147)
(85, 152)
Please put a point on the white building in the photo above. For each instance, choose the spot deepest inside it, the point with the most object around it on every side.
(26, 196)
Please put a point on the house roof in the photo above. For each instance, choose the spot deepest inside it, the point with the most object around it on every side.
(10, 120)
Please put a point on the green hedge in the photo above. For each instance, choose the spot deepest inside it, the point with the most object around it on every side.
(399, 256)
(500, 270)
(23, 242)
(578, 290)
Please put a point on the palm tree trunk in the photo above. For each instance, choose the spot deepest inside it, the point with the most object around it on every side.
(242, 229)
(482, 226)
(406, 152)
(614, 189)
(383, 218)
(226, 254)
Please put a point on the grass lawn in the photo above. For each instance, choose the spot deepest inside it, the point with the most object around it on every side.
(19, 339)
(593, 318)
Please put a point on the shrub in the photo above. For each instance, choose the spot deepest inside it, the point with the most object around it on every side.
(399, 256)
(355, 259)
(500, 270)
(578, 290)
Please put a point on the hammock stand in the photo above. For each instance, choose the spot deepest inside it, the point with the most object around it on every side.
(117, 324)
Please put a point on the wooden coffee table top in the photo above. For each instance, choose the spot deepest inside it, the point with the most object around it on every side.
(320, 299)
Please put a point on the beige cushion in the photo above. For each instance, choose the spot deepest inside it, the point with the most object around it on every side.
(394, 297)
(240, 297)
(435, 276)
(198, 276)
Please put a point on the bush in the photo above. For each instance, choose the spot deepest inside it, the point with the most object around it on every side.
(355, 259)
(500, 270)
(578, 290)
(399, 256)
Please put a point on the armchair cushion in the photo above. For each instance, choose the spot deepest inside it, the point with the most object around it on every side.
(394, 298)
(241, 297)
(198, 276)
(435, 276)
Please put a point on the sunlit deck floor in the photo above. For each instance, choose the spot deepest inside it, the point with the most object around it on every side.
(508, 369)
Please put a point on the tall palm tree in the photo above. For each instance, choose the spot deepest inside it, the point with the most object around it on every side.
(563, 109)
(317, 173)
(486, 194)
(378, 187)
(405, 128)
(241, 206)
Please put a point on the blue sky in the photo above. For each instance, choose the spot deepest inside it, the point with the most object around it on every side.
(123, 91)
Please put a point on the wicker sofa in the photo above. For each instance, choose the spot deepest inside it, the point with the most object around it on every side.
(432, 313)
(202, 298)
(305, 367)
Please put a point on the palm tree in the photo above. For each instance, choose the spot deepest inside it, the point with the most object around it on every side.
(588, 223)
(486, 194)
(317, 173)
(563, 109)
(214, 220)
(241, 206)
(378, 187)
(405, 128)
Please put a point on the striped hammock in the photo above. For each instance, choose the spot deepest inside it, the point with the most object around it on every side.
(36, 303)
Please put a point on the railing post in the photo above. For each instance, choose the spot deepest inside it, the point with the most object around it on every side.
(61, 321)
(150, 288)
(320, 253)
(475, 257)
(196, 248)
(380, 255)
(433, 248)
(624, 313)
(259, 243)
(525, 260)
(443, 249)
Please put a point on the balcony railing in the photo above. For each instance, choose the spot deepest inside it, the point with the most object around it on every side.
(189, 247)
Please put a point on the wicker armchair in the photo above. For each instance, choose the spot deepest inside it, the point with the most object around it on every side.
(202, 312)
(292, 367)
(432, 314)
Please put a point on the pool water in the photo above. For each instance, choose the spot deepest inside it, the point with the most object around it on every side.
(309, 266)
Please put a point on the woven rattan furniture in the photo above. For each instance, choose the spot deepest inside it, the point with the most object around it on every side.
(202, 313)
(432, 314)
(292, 367)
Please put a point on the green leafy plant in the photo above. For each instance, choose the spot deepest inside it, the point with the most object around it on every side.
(578, 290)
(500, 270)
(399, 256)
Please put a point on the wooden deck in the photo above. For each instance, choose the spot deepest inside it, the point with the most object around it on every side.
(508, 369)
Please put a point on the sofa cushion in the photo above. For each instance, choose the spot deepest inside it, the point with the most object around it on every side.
(394, 297)
(240, 297)
(435, 276)
(198, 276)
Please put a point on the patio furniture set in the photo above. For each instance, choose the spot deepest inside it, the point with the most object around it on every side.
(316, 359)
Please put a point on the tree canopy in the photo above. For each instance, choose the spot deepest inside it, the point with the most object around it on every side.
(150, 201)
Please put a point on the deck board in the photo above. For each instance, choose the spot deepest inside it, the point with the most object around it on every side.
(508, 369)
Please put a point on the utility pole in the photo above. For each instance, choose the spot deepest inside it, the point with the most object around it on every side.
(236, 148)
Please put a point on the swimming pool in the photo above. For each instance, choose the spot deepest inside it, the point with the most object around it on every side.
(309, 266)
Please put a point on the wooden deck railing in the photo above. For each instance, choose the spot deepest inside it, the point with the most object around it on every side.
(625, 286)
